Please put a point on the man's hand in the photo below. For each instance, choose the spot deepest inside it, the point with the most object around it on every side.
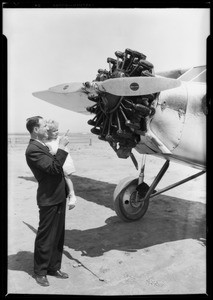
(63, 141)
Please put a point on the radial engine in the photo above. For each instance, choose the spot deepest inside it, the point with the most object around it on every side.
(120, 120)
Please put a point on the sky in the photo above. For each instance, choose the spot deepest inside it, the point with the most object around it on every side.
(48, 47)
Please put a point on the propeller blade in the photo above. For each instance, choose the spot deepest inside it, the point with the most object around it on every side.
(67, 88)
(69, 96)
(137, 86)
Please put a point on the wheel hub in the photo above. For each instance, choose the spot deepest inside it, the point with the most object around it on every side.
(130, 198)
(134, 200)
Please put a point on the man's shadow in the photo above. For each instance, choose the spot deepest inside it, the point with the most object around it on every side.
(21, 261)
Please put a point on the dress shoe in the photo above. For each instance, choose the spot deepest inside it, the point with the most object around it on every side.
(58, 274)
(42, 280)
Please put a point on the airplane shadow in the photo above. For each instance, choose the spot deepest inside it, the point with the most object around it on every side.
(86, 188)
(168, 219)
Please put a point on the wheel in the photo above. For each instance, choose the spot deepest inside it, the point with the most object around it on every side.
(125, 200)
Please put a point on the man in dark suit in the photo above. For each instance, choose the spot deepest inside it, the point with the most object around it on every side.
(51, 200)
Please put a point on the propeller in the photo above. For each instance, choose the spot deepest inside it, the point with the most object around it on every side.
(74, 96)
(67, 88)
(137, 86)
(70, 96)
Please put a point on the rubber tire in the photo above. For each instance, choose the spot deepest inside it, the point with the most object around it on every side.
(119, 206)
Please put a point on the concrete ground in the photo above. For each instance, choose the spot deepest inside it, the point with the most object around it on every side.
(162, 253)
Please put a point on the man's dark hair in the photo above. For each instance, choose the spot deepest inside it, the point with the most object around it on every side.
(33, 122)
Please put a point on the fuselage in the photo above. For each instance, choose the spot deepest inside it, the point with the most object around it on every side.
(177, 130)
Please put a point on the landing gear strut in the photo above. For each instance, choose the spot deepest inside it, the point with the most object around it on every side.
(131, 196)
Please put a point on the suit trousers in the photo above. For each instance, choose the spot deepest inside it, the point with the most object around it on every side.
(49, 240)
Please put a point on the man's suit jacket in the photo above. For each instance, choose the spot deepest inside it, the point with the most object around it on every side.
(47, 169)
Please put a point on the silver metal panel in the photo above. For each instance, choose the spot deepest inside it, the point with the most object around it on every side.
(168, 121)
(193, 139)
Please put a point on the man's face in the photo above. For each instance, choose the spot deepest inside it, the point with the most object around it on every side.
(42, 129)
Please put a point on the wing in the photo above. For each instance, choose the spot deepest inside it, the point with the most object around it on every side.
(197, 74)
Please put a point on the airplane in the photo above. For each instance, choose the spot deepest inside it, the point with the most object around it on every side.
(161, 114)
